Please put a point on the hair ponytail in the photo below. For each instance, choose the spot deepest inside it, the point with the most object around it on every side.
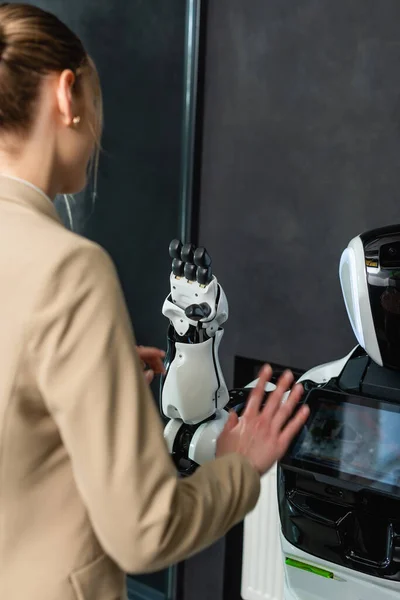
(34, 43)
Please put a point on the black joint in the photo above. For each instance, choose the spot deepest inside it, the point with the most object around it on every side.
(190, 271)
(202, 258)
(177, 267)
(194, 312)
(175, 248)
(197, 312)
(206, 308)
(204, 276)
(187, 253)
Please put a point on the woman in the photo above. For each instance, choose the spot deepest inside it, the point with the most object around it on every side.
(87, 488)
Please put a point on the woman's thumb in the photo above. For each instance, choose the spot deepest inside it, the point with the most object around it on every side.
(149, 375)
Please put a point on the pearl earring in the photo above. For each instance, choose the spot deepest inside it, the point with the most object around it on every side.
(76, 120)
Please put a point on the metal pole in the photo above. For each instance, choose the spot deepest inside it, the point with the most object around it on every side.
(192, 36)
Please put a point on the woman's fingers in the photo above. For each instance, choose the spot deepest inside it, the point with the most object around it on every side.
(148, 352)
(275, 398)
(153, 357)
(286, 409)
(257, 395)
(292, 429)
(149, 375)
(157, 365)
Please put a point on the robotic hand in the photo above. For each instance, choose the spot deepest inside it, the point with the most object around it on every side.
(193, 391)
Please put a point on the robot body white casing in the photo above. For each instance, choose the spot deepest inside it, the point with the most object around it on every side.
(346, 584)
(193, 391)
(353, 280)
(265, 574)
(260, 527)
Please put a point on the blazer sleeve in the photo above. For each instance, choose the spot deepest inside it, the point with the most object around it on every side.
(90, 377)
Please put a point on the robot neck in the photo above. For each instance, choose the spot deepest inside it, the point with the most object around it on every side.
(363, 376)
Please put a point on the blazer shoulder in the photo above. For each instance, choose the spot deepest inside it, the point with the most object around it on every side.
(78, 257)
(59, 243)
(64, 258)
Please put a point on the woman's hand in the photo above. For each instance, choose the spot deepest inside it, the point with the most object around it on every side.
(264, 435)
(152, 361)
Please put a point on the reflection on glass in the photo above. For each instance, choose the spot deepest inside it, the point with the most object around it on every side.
(356, 440)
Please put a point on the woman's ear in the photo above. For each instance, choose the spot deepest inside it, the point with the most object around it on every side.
(65, 96)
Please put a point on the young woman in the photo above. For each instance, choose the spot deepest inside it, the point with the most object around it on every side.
(87, 488)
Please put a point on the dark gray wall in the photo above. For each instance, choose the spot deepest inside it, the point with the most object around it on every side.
(139, 49)
(301, 152)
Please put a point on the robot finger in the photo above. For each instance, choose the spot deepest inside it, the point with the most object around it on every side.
(175, 249)
(187, 253)
(202, 260)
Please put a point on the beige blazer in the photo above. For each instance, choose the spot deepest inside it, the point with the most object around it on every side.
(87, 488)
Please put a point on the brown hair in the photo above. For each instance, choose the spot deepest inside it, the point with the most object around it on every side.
(35, 43)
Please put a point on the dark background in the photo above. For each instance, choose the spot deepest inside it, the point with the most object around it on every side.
(301, 152)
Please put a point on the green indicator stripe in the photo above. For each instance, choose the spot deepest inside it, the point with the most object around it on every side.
(315, 570)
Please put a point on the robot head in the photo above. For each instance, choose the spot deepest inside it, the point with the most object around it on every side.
(370, 279)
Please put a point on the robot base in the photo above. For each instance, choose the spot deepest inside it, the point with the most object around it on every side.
(344, 584)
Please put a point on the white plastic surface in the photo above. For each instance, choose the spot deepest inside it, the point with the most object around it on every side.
(262, 575)
(353, 279)
(222, 392)
(185, 293)
(171, 431)
(191, 383)
(346, 584)
(203, 444)
(262, 571)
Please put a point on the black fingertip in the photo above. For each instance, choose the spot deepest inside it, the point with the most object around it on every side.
(202, 258)
(190, 271)
(175, 249)
(187, 253)
(178, 267)
(204, 275)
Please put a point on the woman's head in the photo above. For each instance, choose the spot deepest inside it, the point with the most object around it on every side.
(50, 96)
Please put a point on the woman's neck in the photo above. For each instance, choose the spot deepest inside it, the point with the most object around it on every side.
(25, 175)
(30, 160)
(27, 183)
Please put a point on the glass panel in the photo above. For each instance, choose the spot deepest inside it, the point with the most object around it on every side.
(147, 59)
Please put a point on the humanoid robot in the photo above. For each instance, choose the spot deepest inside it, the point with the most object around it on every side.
(338, 487)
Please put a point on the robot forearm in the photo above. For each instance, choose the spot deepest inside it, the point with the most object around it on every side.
(194, 392)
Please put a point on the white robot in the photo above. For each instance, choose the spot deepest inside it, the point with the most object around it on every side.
(193, 392)
(337, 518)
